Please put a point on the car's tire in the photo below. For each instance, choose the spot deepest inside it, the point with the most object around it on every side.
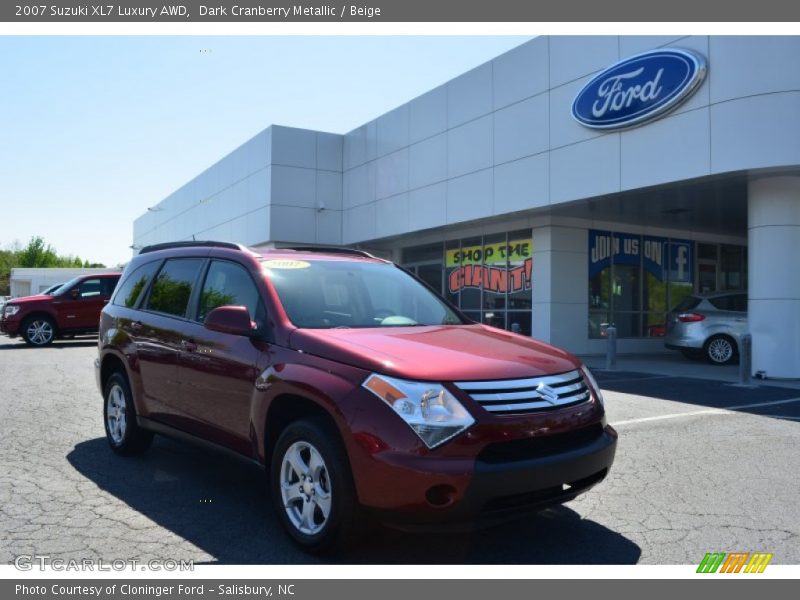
(119, 416)
(692, 353)
(312, 488)
(720, 350)
(38, 331)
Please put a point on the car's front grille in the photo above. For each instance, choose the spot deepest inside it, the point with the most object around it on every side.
(540, 446)
(515, 396)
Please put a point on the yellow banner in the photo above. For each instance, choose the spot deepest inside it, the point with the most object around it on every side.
(490, 254)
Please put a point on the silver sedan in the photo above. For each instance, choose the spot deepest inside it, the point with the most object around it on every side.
(708, 326)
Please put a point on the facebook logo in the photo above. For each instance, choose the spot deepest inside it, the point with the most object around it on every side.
(681, 261)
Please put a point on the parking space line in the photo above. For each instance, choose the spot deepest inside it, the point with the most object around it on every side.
(730, 410)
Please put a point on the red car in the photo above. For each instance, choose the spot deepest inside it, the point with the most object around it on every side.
(361, 391)
(72, 309)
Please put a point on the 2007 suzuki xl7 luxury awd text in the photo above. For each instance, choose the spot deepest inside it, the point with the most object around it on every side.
(360, 390)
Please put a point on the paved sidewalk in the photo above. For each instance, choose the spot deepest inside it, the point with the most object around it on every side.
(673, 364)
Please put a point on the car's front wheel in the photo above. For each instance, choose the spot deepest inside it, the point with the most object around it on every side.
(720, 350)
(38, 331)
(119, 413)
(312, 487)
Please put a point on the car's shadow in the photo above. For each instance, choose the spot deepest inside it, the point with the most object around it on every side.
(761, 400)
(221, 505)
(56, 345)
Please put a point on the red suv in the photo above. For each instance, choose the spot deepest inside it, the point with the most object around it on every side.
(359, 389)
(74, 308)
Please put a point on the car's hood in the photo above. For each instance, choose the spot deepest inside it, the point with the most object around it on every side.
(436, 353)
(30, 299)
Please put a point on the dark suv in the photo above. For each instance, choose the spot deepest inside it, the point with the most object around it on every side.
(73, 309)
(359, 389)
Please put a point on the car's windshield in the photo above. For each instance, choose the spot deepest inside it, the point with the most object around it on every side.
(324, 294)
(52, 289)
(66, 287)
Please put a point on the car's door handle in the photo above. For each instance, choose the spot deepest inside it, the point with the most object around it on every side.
(136, 325)
(189, 345)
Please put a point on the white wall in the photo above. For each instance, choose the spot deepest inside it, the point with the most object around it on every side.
(32, 281)
(228, 201)
(495, 140)
(500, 138)
(774, 301)
(285, 184)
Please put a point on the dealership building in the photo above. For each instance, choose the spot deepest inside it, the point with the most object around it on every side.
(570, 182)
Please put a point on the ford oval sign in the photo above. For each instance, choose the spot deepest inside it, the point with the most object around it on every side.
(639, 89)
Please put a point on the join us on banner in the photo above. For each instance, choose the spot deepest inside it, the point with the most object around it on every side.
(663, 257)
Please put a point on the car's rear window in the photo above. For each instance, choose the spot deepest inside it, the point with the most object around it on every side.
(688, 303)
(324, 294)
(734, 302)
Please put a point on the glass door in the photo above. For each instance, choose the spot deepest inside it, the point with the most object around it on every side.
(707, 277)
(430, 273)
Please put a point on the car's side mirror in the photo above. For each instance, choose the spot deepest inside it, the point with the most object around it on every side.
(234, 320)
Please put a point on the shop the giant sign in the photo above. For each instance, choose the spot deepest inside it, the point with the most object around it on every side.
(497, 268)
(664, 258)
(639, 89)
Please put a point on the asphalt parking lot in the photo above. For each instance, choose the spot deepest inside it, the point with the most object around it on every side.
(701, 466)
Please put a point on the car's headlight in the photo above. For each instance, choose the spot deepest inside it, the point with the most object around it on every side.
(10, 311)
(587, 374)
(428, 408)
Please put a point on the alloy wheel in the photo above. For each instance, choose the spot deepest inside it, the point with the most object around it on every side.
(116, 418)
(720, 350)
(40, 332)
(305, 488)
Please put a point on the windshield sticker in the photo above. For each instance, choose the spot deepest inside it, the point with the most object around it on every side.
(285, 264)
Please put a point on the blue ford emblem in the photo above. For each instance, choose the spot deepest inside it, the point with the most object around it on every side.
(639, 89)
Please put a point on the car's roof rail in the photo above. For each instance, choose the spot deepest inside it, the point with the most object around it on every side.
(329, 250)
(191, 244)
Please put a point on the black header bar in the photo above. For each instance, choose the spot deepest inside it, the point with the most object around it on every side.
(147, 11)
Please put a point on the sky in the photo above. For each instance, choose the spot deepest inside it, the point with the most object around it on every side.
(93, 130)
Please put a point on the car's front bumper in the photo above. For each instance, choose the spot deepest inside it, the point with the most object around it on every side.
(453, 493)
(9, 327)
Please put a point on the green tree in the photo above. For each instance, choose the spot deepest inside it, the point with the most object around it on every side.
(37, 254)
(8, 260)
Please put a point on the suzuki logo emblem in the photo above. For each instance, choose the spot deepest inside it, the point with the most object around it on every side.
(547, 393)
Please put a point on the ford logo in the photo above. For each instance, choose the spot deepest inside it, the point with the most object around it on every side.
(639, 89)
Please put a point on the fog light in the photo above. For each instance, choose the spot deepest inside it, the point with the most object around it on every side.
(440, 495)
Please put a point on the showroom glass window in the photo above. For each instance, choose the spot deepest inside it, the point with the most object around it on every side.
(489, 277)
(634, 280)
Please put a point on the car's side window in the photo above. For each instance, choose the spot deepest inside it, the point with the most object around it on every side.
(226, 284)
(722, 302)
(133, 286)
(108, 285)
(172, 287)
(89, 288)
